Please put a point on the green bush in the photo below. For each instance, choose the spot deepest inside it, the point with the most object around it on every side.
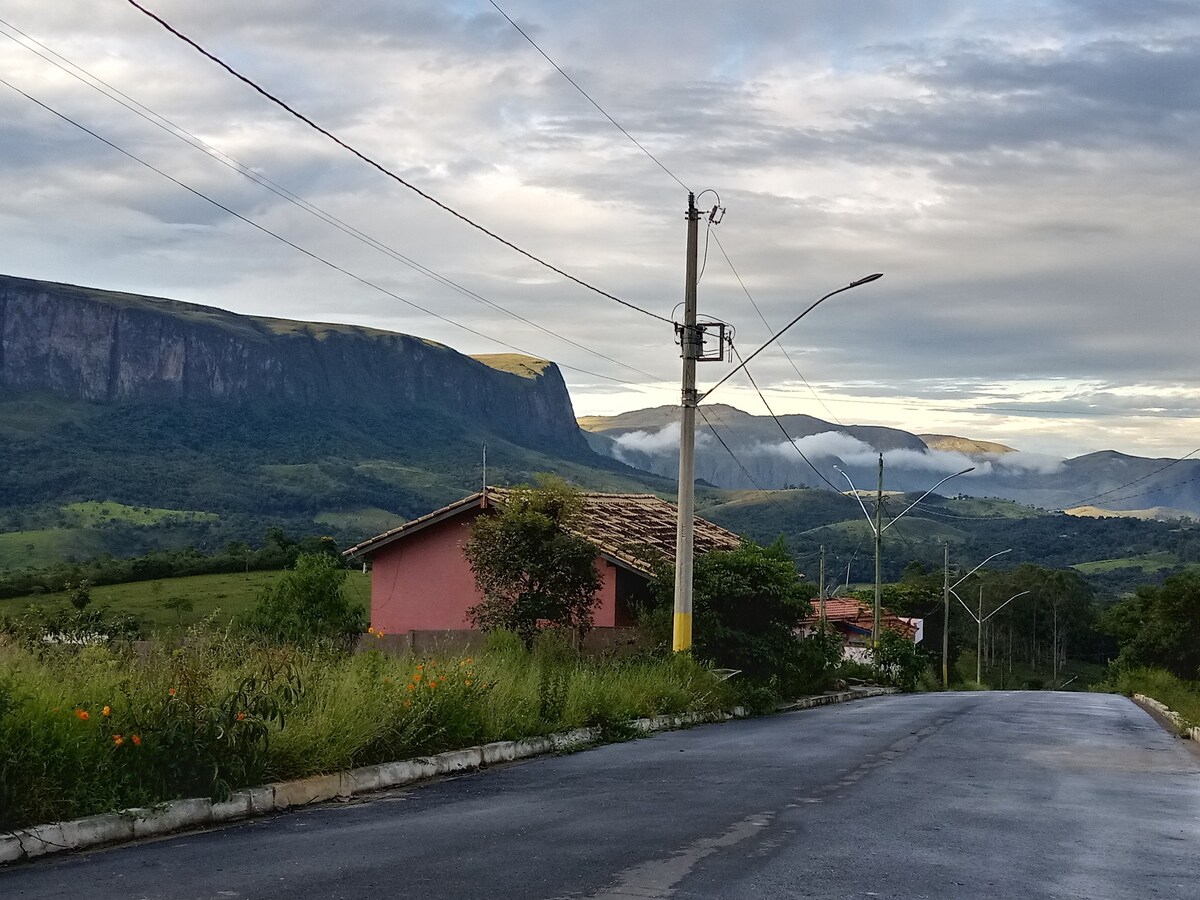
(899, 660)
(309, 605)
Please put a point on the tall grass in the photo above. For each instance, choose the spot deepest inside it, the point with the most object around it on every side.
(1181, 696)
(102, 728)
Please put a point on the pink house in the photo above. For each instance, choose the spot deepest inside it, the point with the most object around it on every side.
(421, 582)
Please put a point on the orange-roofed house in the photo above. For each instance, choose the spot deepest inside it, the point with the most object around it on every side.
(854, 620)
(421, 581)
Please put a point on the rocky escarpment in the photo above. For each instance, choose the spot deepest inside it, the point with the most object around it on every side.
(98, 346)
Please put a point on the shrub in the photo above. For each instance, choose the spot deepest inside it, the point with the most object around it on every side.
(531, 571)
(308, 605)
(899, 660)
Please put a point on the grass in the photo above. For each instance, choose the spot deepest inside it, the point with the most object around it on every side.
(47, 547)
(1181, 696)
(225, 596)
(364, 520)
(91, 513)
(1076, 675)
(96, 729)
(1147, 562)
(514, 363)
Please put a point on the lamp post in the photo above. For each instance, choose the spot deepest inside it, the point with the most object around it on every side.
(980, 619)
(691, 342)
(878, 528)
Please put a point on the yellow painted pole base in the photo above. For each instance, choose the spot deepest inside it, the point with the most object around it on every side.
(683, 631)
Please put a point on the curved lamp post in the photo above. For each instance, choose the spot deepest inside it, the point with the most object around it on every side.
(878, 528)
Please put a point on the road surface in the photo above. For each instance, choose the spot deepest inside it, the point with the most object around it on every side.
(965, 795)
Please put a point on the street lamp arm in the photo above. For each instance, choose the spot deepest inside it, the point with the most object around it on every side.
(861, 505)
(977, 568)
(1004, 604)
(896, 519)
(779, 333)
(974, 617)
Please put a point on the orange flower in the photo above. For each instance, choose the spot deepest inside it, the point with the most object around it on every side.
(56, 709)
(432, 684)
(408, 703)
(106, 712)
(467, 682)
(171, 692)
(83, 715)
(241, 717)
(469, 660)
(412, 687)
(417, 677)
(137, 740)
(118, 740)
(420, 666)
(371, 630)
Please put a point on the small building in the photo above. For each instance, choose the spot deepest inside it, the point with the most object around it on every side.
(422, 585)
(854, 620)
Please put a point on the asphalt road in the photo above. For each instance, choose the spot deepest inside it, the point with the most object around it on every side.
(966, 795)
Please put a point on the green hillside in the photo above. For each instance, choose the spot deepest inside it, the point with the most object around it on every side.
(165, 602)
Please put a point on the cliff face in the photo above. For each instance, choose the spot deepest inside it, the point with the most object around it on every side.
(98, 346)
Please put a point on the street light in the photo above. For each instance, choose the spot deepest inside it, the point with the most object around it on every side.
(947, 589)
(878, 528)
(980, 619)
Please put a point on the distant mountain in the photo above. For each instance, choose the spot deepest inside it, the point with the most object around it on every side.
(225, 424)
(963, 445)
(649, 440)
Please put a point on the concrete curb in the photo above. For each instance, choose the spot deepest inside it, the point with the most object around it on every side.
(1170, 715)
(180, 815)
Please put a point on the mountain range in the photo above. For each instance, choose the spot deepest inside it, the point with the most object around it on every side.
(737, 450)
(129, 423)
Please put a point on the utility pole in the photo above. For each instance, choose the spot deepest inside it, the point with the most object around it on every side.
(946, 620)
(878, 556)
(822, 594)
(979, 640)
(690, 345)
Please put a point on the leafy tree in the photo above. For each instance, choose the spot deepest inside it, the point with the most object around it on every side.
(899, 660)
(531, 570)
(309, 605)
(747, 605)
(1160, 626)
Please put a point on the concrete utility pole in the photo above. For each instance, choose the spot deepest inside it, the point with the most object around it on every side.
(690, 345)
(822, 594)
(979, 640)
(946, 620)
(878, 556)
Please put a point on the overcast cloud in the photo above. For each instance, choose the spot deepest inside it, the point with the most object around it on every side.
(1023, 173)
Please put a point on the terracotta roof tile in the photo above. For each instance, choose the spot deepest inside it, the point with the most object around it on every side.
(622, 526)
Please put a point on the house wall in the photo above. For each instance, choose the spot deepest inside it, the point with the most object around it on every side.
(423, 582)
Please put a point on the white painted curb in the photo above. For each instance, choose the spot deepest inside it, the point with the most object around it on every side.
(179, 815)
(1170, 715)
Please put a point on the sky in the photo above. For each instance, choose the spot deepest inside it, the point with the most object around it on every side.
(1023, 173)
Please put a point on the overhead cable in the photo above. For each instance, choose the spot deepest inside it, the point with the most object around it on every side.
(384, 169)
(588, 96)
(283, 240)
(775, 418)
(733, 455)
(770, 330)
(182, 134)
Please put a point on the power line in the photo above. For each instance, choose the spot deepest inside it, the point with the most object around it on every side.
(1152, 490)
(284, 240)
(181, 133)
(1173, 462)
(733, 455)
(384, 169)
(774, 417)
(589, 98)
(770, 330)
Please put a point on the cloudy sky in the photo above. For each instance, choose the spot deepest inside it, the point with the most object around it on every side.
(1024, 173)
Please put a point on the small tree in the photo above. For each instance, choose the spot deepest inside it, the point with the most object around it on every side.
(899, 660)
(748, 604)
(308, 605)
(531, 571)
